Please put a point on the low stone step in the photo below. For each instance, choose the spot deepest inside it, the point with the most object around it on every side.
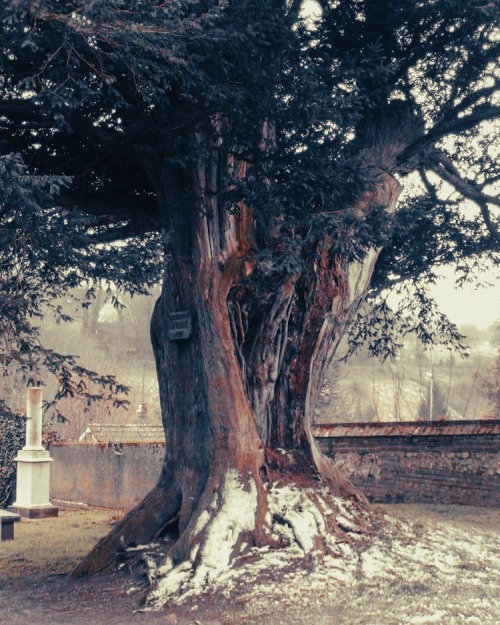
(7, 520)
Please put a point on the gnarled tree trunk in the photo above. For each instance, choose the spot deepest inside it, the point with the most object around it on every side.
(238, 395)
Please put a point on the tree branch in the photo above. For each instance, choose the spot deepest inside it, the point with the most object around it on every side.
(447, 172)
(475, 96)
(455, 124)
(122, 207)
(129, 231)
(24, 108)
(442, 261)
(293, 11)
(465, 187)
(485, 212)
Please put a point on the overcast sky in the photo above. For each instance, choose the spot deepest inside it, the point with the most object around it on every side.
(479, 307)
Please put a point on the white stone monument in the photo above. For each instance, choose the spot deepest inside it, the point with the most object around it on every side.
(33, 466)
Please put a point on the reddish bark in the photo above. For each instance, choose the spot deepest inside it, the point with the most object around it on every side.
(238, 395)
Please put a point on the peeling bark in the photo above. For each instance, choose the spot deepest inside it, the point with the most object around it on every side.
(238, 396)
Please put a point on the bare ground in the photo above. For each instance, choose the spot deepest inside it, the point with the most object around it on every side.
(425, 565)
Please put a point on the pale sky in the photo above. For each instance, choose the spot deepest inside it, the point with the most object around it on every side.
(476, 306)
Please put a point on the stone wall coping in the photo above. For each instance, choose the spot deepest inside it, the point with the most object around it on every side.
(106, 444)
(476, 427)
(122, 433)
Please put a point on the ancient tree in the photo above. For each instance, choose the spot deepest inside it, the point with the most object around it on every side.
(257, 156)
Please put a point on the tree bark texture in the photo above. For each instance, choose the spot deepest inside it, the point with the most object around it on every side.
(238, 395)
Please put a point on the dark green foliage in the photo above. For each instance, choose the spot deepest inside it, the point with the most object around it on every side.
(12, 427)
(103, 105)
(41, 260)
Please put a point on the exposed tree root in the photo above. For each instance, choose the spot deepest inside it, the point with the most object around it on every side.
(302, 523)
(141, 525)
(285, 514)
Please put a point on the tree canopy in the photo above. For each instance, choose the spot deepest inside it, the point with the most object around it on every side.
(95, 95)
(257, 154)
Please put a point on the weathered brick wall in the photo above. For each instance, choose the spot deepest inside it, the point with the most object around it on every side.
(451, 462)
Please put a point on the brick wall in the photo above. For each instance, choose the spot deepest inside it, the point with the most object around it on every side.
(448, 462)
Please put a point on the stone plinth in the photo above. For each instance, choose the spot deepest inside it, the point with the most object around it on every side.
(33, 466)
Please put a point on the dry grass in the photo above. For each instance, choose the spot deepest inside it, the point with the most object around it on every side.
(427, 565)
(54, 545)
